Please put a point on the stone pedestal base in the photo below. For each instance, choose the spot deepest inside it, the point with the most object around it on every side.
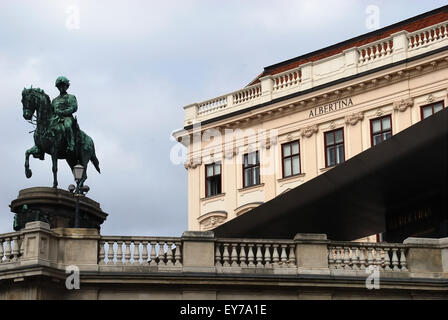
(56, 207)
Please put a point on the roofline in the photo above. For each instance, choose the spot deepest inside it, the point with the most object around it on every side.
(365, 35)
(322, 86)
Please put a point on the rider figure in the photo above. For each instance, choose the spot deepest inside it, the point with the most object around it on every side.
(64, 106)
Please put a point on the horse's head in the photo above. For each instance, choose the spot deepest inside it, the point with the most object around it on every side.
(31, 100)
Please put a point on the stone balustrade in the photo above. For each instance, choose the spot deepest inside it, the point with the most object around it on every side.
(245, 253)
(358, 256)
(287, 79)
(198, 252)
(247, 94)
(374, 51)
(151, 251)
(212, 105)
(427, 36)
(397, 47)
(11, 247)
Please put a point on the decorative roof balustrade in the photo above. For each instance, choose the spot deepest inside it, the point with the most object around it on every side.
(397, 47)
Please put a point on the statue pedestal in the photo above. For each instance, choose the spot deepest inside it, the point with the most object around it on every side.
(56, 207)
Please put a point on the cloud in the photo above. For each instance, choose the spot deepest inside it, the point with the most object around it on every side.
(133, 66)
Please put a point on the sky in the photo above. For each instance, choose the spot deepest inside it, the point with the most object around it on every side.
(132, 66)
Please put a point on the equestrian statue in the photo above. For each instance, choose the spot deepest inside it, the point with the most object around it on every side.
(57, 132)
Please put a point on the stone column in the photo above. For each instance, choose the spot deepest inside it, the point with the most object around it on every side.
(191, 113)
(267, 85)
(307, 75)
(79, 247)
(425, 255)
(312, 253)
(400, 47)
(351, 61)
(198, 251)
(39, 245)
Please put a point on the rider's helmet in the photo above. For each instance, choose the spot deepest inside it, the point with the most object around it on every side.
(62, 79)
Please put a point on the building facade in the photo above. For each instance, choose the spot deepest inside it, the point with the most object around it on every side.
(302, 117)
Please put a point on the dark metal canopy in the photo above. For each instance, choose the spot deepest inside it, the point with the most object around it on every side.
(351, 200)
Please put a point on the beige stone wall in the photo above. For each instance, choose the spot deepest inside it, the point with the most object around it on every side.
(413, 85)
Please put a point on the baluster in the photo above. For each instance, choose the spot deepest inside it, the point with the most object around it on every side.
(430, 38)
(419, 40)
(243, 255)
(346, 258)
(275, 258)
(234, 256)
(292, 255)
(161, 255)
(145, 252)
(330, 257)
(338, 258)
(127, 256)
(394, 259)
(369, 257)
(225, 255)
(152, 254)
(259, 256)
(250, 255)
(377, 50)
(362, 259)
(8, 250)
(379, 258)
(136, 256)
(267, 256)
(217, 255)
(2, 253)
(360, 56)
(410, 42)
(283, 255)
(120, 255)
(110, 252)
(178, 255)
(354, 259)
(21, 246)
(445, 34)
(101, 254)
(169, 254)
(15, 249)
(386, 260)
(403, 261)
(383, 51)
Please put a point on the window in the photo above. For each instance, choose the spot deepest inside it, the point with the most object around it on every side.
(380, 129)
(430, 109)
(212, 179)
(291, 158)
(334, 147)
(251, 169)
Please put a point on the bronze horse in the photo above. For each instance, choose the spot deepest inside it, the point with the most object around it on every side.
(49, 136)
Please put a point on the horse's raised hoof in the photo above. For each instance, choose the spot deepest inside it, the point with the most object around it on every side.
(28, 173)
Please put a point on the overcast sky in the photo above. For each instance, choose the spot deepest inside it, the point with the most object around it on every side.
(133, 65)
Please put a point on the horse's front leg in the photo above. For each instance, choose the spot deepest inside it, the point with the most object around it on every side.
(32, 151)
(54, 159)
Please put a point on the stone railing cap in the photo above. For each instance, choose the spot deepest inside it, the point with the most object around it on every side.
(310, 236)
(426, 241)
(37, 224)
(198, 235)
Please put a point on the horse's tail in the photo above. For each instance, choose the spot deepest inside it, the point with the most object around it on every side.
(95, 161)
